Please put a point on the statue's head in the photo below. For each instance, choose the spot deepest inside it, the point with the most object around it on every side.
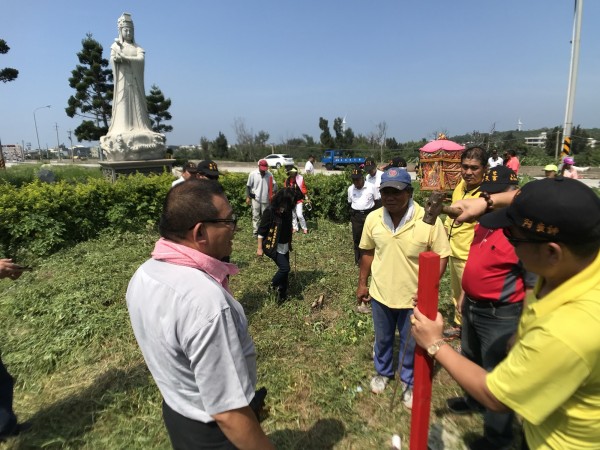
(125, 25)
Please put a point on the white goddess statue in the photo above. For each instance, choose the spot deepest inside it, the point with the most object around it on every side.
(130, 135)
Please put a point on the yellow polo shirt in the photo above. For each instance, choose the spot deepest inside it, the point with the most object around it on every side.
(462, 235)
(551, 377)
(395, 268)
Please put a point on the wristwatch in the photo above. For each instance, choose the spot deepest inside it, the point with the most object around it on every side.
(433, 348)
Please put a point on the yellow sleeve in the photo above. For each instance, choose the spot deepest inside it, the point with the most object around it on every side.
(366, 239)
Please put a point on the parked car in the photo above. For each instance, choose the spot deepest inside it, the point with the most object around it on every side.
(278, 160)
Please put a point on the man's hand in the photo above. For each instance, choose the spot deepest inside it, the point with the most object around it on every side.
(362, 294)
(259, 252)
(426, 331)
(248, 201)
(8, 269)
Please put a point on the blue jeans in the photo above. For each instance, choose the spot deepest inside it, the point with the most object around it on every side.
(385, 322)
(7, 416)
(486, 328)
(280, 279)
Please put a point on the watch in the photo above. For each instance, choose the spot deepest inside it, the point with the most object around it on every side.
(433, 348)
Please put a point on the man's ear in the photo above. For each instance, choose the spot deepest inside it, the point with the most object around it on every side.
(554, 253)
(198, 233)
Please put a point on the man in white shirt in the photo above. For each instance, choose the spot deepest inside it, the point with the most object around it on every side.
(373, 177)
(259, 191)
(309, 167)
(189, 171)
(361, 197)
(495, 160)
(192, 332)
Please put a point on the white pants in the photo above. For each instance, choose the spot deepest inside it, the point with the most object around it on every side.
(298, 216)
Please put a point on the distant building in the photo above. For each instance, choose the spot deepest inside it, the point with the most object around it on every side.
(537, 141)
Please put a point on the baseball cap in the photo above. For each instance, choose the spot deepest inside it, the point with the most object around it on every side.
(263, 163)
(208, 168)
(190, 167)
(552, 209)
(568, 160)
(356, 174)
(395, 177)
(369, 163)
(551, 168)
(398, 161)
(293, 169)
(498, 179)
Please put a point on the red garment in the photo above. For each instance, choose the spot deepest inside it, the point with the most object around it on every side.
(493, 271)
(514, 164)
(299, 181)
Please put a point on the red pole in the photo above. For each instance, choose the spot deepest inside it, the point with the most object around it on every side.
(428, 291)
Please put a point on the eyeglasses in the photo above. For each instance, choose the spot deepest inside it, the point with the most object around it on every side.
(231, 222)
(514, 241)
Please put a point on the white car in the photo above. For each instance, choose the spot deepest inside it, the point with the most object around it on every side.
(278, 160)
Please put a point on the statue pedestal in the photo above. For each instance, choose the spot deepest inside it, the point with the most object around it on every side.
(113, 169)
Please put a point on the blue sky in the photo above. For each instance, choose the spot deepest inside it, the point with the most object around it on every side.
(420, 66)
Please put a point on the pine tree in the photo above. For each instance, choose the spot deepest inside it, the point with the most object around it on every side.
(158, 107)
(93, 100)
(8, 73)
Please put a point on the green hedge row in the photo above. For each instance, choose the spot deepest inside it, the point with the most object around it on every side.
(37, 218)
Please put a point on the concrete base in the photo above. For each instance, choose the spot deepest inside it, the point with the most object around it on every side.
(113, 169)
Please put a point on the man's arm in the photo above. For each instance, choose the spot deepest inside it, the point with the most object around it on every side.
(242, 428)
(443, 265)
(472, 208)
(469, 375)
(8, 269)
(366, 259)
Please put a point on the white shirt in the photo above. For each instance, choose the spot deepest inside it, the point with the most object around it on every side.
(194, 337)
(361, 199)
(309, 168)
(375, 180)
(494, 163)
(259, 185)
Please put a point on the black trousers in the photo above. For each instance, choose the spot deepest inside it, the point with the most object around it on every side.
(357, 219)
(189, 434)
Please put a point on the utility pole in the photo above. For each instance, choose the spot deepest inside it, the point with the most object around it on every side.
(58, 142)
(71, 140)
(566, 149)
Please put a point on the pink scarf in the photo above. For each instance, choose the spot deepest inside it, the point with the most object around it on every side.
(179, 254)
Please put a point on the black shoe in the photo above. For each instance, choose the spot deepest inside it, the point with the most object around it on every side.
(15, 430)
(460, 405)
(483, 443)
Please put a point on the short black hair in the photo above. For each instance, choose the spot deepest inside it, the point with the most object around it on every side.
(475, 152)
(187, 204)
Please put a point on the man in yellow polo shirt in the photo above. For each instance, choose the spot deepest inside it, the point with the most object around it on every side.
(551, 377)
(473, 164)
(392, 238)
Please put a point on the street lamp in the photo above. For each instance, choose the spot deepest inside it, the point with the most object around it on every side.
(36, 129)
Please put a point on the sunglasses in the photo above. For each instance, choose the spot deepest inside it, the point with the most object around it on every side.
(515, 241)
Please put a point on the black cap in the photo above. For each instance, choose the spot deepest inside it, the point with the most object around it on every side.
(209, 169)
(356, 174)
(552, 209)
(398, 161)
(190, 167)
(369, 164)
(498, 179)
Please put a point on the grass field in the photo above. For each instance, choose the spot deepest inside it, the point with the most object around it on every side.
(82, 383)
